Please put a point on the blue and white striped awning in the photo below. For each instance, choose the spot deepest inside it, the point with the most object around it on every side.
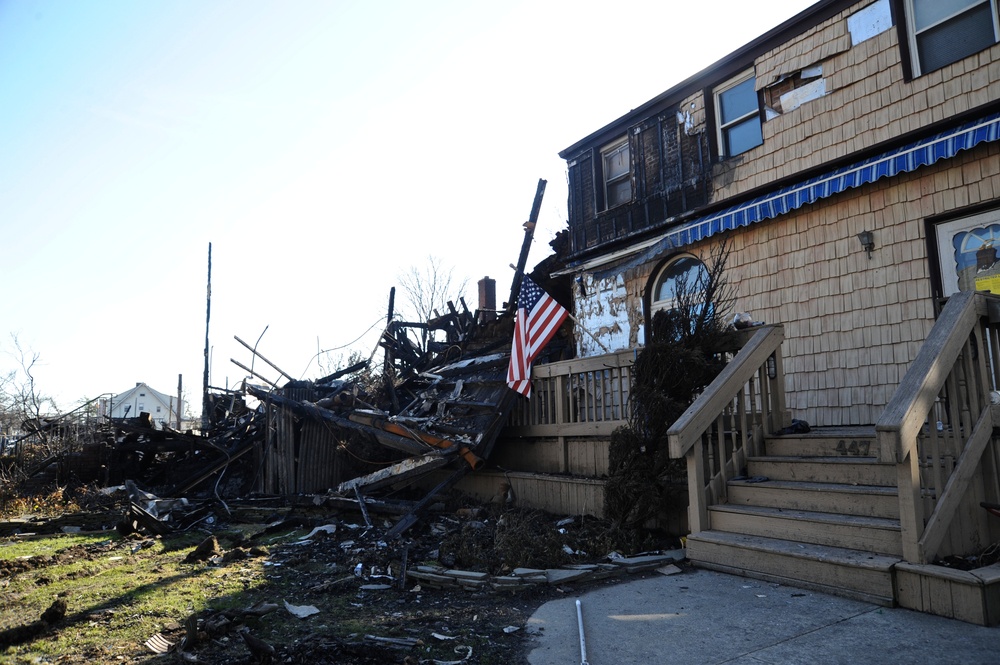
(902, 160)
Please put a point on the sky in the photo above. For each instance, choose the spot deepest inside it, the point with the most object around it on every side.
(324, 149)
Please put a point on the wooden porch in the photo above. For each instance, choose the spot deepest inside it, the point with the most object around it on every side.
(553, 453)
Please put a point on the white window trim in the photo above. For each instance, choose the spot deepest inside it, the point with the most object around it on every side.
(668, 304)
(911, 29)
(607, 150)
(719, 127)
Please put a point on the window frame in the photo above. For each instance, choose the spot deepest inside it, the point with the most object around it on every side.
(721, 127)
(651, 301)
(909, 10)
(655, 304)
(607, 181)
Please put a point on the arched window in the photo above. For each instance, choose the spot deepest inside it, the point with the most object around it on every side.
(684, 275)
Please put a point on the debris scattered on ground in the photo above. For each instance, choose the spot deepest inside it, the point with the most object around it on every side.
(301, 611)
(462, 579)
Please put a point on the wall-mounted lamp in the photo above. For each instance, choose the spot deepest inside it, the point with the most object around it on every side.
(867, 239)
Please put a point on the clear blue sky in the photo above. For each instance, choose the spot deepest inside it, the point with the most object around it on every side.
(322, 147)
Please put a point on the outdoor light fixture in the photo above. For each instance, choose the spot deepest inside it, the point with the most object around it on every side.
(772, 367)
(867, 239)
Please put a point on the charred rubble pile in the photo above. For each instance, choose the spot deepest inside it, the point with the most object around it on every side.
(389, 440)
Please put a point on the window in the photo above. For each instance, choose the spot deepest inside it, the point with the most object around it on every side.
(968, 253)
(616, 161)
(685, 276)
(738, 116)
(941, 32)
(679, 292)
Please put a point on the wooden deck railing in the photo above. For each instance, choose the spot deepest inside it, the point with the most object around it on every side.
(586, 396)
(939, 423)
(728, 421)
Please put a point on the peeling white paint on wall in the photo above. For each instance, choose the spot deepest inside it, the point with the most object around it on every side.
(684, 118)
(602, 310)
(870, 21)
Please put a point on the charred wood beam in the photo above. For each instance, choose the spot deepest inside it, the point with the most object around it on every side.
(361, 504)
(136, 516)
(356, 367)
(161, 446)
(253, 373)
(391, 475)
(202, 476)
(401, 443)
(413, 516)
(441, 427)
(388, 506)
(41, 466)
(254, 351)
(529, 234)
(389, 359)
(387, 425)
(492, 406)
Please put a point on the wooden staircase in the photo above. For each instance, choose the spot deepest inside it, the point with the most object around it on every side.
(816, 511)
(859, 512)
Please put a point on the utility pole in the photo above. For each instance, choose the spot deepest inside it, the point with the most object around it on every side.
(208, 316)
(180, 404)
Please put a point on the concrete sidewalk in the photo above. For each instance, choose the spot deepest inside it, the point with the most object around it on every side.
(700, 617)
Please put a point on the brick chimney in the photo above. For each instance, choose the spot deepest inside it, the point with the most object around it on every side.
(487, 299)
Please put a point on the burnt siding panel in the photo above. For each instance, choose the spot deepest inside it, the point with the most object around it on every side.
(671, 176)
(583, 198)
(648, 170)
(697, 169)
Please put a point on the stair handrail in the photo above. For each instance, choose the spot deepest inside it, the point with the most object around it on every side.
(764, 343)
(726, 423)
(903, 417)
(953, 361)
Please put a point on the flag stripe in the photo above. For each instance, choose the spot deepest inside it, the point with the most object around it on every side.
(538, 318)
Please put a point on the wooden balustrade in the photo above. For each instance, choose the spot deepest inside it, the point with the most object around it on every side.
(728, 421)
(939, 423)
(585, 396)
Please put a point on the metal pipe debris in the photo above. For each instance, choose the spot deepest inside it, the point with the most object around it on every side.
(583, 642)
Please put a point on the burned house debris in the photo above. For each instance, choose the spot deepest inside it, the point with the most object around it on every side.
(391, 443)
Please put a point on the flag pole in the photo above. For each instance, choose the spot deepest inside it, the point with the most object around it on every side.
(571, 318)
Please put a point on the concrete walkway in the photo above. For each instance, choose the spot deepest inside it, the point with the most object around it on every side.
(701, 617)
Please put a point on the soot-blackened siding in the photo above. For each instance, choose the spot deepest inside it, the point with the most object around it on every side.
(671, 175)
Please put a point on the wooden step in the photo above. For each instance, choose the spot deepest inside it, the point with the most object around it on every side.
(863, 500)
(835, 570)
(821, 445)
(870, 534)
(848, 470)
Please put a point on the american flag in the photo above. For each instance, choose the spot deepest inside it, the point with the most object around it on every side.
(538, 319)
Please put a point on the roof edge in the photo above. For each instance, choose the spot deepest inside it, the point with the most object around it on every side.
(720, 69)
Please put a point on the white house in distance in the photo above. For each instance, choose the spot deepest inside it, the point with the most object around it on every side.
(162, 408)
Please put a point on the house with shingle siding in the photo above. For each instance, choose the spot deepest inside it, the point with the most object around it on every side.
(850, 161)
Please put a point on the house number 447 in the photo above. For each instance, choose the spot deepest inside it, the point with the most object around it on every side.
(857, 448)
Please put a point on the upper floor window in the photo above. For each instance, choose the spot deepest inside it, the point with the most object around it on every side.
(616, 162)
(738, 115)
(941, 32)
